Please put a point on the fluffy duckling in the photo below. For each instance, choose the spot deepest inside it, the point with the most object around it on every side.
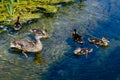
(76, 37)
(102, 42)
(17, 25)
(26, 45)
(82, 51)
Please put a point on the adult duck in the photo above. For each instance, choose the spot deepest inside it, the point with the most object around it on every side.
(96, 41)
(26, 45)
(17, 25)
(82, 51)
(77, 37)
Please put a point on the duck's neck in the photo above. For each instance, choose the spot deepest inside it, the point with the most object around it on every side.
(37, 40)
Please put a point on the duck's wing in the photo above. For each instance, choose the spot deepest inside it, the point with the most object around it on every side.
(26, 43)
(23, 44)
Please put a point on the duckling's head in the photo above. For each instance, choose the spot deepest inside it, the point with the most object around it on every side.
(75, 31)
(90, 50)
(76, 51)
(105, 41)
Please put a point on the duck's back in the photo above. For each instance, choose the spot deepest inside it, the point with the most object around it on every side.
(17, 26)
(27, 45)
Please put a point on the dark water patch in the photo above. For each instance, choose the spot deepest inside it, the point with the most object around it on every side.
(79, 68)
(70, 68)
(108, 28)
(111, 66)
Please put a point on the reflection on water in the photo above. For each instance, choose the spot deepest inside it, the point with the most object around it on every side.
(38, 58)
(97, 18)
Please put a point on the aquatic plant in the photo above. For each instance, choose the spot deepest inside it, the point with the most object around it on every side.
(2, 1)
(18, 0)
(10, 9)
(29, 9)
(12, 2)
(80, 4)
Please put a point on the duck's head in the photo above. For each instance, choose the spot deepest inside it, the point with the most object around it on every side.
(43, 33)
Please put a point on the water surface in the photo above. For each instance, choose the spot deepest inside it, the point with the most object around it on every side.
(96, 18)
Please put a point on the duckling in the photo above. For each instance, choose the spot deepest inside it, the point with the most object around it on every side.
(17, 25)
(26, 45)
(102, 42)
(76, 37)
(82, 51)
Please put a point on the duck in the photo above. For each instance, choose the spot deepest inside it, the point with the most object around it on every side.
(96, 41)
(17, 25)
(26, 46)
(77, 37)
(82, 51)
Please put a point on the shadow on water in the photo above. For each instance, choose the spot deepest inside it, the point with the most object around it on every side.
(72, 43)
(37, 56)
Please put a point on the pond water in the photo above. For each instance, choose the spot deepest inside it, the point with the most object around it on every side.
(96, 18)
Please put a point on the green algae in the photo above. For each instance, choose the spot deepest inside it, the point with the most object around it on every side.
(28, 9)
